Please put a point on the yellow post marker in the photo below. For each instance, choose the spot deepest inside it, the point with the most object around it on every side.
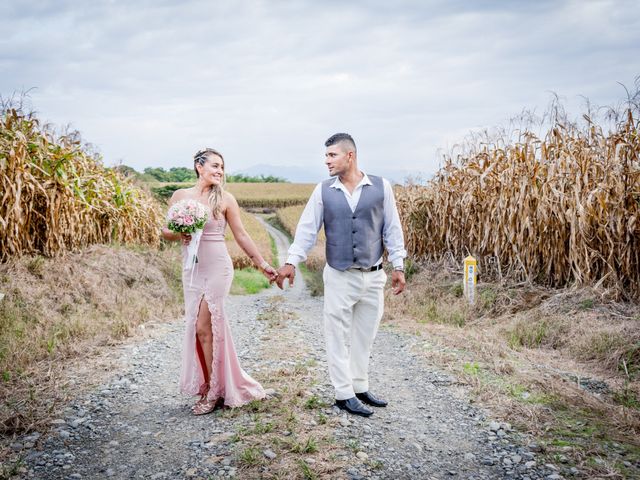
(470, 278)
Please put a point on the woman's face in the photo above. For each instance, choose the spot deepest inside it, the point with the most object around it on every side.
(212, 172)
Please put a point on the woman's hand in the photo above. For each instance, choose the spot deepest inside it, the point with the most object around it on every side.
(185, 238)
(268, 271)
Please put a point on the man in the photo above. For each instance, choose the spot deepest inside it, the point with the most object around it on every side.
(360, 218)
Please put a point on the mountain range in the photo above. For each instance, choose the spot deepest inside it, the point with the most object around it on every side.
(297, 174)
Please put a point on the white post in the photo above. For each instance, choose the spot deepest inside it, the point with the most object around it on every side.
(470, 278)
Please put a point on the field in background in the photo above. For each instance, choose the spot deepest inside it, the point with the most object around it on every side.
(555, 210)
(270, 195)
(251, 195)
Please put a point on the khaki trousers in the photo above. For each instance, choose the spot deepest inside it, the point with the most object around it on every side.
(353, 306)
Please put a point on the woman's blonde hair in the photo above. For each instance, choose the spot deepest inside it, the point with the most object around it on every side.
(217, 191)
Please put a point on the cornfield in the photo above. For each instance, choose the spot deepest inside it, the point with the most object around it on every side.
(270, 195)
(57, 197)
(557, 210)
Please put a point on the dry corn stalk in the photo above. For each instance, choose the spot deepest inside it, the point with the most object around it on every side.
(56, 197)
(559, 210)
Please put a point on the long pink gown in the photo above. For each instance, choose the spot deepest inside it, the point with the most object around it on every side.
(208, 287)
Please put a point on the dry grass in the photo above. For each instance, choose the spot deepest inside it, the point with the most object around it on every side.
(558, 210)
(58, 311)
(270, 195)
(58, 197)
(288, 218)
(260, 236)
(560, 365)
(294, 425)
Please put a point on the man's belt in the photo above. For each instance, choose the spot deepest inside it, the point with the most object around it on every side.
(375, 268)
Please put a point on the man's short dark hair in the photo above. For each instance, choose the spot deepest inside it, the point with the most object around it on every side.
(341, 137)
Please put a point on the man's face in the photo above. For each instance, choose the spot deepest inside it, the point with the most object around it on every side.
(337, 159)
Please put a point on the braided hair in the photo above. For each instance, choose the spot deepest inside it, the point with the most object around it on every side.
(216, 193)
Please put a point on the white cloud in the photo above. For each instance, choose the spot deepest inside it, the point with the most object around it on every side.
(267, 81)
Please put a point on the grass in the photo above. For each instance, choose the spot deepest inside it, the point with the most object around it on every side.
(248, 281)
(520, 350)
(294, 425)
(58, 311)
(250, 456)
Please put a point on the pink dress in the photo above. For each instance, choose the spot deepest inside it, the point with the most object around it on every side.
(210, 284)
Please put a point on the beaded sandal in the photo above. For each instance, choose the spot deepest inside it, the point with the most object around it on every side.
(203, 406)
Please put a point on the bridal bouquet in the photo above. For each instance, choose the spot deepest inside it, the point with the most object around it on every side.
(188, 216)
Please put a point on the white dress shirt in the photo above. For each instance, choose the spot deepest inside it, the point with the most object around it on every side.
(313, 215)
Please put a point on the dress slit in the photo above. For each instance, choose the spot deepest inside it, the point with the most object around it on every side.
(207, 370)
(224, 378)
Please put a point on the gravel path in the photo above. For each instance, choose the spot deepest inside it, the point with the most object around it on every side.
(137, 425)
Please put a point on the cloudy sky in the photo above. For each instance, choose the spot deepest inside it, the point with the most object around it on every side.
(149, 82)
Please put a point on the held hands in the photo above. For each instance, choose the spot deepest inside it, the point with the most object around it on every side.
(286, 271)
(268, 271)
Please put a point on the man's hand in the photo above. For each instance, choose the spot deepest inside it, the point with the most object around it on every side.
(269, 272)
(398, 282)
(286, 271)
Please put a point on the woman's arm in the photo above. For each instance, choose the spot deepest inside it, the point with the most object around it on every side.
(232, 213)
(173, 236)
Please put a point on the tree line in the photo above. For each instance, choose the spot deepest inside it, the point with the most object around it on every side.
(187, 175)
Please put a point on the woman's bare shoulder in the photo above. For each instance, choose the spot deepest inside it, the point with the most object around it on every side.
(228, 196)
(181, 194)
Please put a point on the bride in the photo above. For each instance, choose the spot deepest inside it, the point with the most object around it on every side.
(210, 365)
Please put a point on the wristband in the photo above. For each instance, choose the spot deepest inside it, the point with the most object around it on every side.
(294, 267)
(264, 265)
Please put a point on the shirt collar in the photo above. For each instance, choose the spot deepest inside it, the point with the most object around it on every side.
(340, 186)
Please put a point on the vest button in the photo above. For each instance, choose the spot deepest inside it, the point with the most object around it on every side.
(354, 217)
(353, 231)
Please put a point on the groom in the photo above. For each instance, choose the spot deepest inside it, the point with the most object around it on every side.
(360, 219)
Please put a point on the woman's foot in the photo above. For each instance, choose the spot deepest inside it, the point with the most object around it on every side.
(203, 406)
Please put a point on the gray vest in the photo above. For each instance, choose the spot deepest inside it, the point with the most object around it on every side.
(354, 239)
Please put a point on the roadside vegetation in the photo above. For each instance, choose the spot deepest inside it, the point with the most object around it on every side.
(560, 364)
(58, 312)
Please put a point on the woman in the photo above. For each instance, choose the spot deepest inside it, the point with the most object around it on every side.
(210, 366)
